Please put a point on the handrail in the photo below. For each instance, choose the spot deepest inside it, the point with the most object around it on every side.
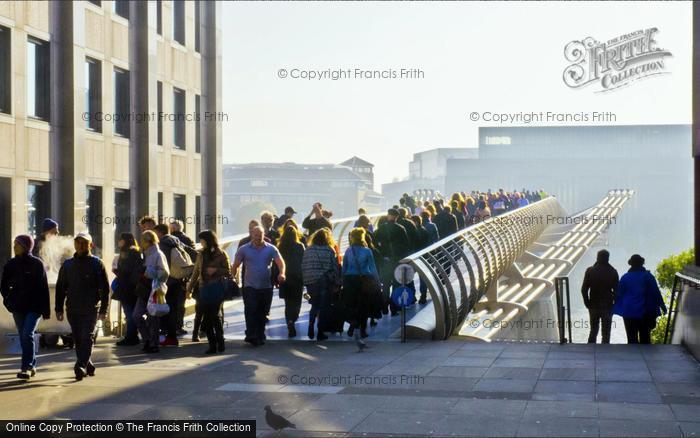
(462, 268)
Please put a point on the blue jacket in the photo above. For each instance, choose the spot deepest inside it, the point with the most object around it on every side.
(364, 261)
(638, 295)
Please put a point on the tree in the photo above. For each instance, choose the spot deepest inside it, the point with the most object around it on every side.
(665, 273)
(247, 212)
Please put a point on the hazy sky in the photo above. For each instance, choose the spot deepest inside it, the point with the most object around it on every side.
(498, 57)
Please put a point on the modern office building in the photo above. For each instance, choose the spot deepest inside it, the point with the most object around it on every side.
(426, 171)
(107, 113)
(341, 188)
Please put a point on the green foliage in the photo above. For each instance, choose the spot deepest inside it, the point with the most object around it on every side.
(665, 272)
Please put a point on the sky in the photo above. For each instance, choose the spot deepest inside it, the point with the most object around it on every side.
(475, 57)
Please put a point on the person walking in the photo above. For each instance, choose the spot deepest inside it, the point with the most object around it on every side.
(82, 289)
(446, 222)
(426, 239)
(129, 268)
(638, 301)
(292, 251)
(598, 290)
(175, 295)
(393, 244)
(359, 276)
(256, 258)
(212, 266)
(321, 273)
(281, 221)
(25, 293)
(176, 230)
(155, 270)
(267, 220)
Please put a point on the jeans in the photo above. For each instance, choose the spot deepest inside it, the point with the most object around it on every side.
(255, 304)
(175, 297)
(598, 316)
(320, 304)
(639, 329)
(148, 326)
(131, 330)
(213, 324)
(26, 324)
(83, 328)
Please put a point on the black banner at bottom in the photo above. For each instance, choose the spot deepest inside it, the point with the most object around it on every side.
(128, 428)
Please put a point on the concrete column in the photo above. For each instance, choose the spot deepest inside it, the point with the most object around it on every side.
(211, 104)
(67, 182)
(142, 140)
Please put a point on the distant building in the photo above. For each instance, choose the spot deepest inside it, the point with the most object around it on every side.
(426, 171)
(342, 188)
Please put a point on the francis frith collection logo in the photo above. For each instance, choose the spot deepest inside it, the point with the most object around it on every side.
(615, 63)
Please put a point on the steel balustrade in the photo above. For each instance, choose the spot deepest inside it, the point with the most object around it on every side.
(462, 268)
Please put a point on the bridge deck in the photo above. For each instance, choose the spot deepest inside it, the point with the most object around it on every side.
(449, 388)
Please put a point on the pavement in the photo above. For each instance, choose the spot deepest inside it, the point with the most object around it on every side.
(447, 388)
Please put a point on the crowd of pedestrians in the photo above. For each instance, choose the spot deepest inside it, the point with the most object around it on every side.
(162, 268)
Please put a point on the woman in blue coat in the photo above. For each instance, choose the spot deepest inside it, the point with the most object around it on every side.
(638, 301)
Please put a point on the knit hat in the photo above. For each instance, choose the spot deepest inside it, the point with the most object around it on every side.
(25, 241)
(48, 224)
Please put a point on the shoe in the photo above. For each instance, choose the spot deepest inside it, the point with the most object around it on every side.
(80, 373)
(210, 350)
(181, 332)
(422, 300)
(363, 334)
(32, 372)
(90, 370)
(321, 337)
(221, 346)
(311, 330)
(24, 375)
(127, 342)
(372, 322)
(351, 330)
(195, 338)
(169, 341)
(291, 330)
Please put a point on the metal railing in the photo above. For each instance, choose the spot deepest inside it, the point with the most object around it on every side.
(464, 267)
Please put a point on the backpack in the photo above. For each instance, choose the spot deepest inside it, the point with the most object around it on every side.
(181, 265)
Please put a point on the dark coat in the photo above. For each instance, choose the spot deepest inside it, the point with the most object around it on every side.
(129, 269)
(315, 224)
(446, 223)
(414, 237)
(599, 285)
(392, 241)
(24, 286)
(82, 286)
(293, 257)
(638, 295)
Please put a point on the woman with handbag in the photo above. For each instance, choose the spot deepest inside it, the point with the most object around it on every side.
(360, 282)
(292, 251)
(153, 277)
(321, 274)
(128, 271)
(211, 272)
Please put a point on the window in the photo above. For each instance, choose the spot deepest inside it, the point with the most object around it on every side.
(5, 71)
(159, 17)
(38, 205)
(5, 219)
(197, 125)
(121, 8)
(121, 102)
(93, 94)
(159, 110)
(122, 211)
(197, 18)
(179, 21)
(179, 122)
(198, 214)
(38, 75)
(93, 214)
(180, 207)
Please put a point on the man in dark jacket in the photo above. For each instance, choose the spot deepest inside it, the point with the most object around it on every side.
(598, 290)
(288, 214)
(316, 220)
(446, 222)
(25, 293)
(189, 247)
(83, 288)
(175, 295)
(393, 244)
